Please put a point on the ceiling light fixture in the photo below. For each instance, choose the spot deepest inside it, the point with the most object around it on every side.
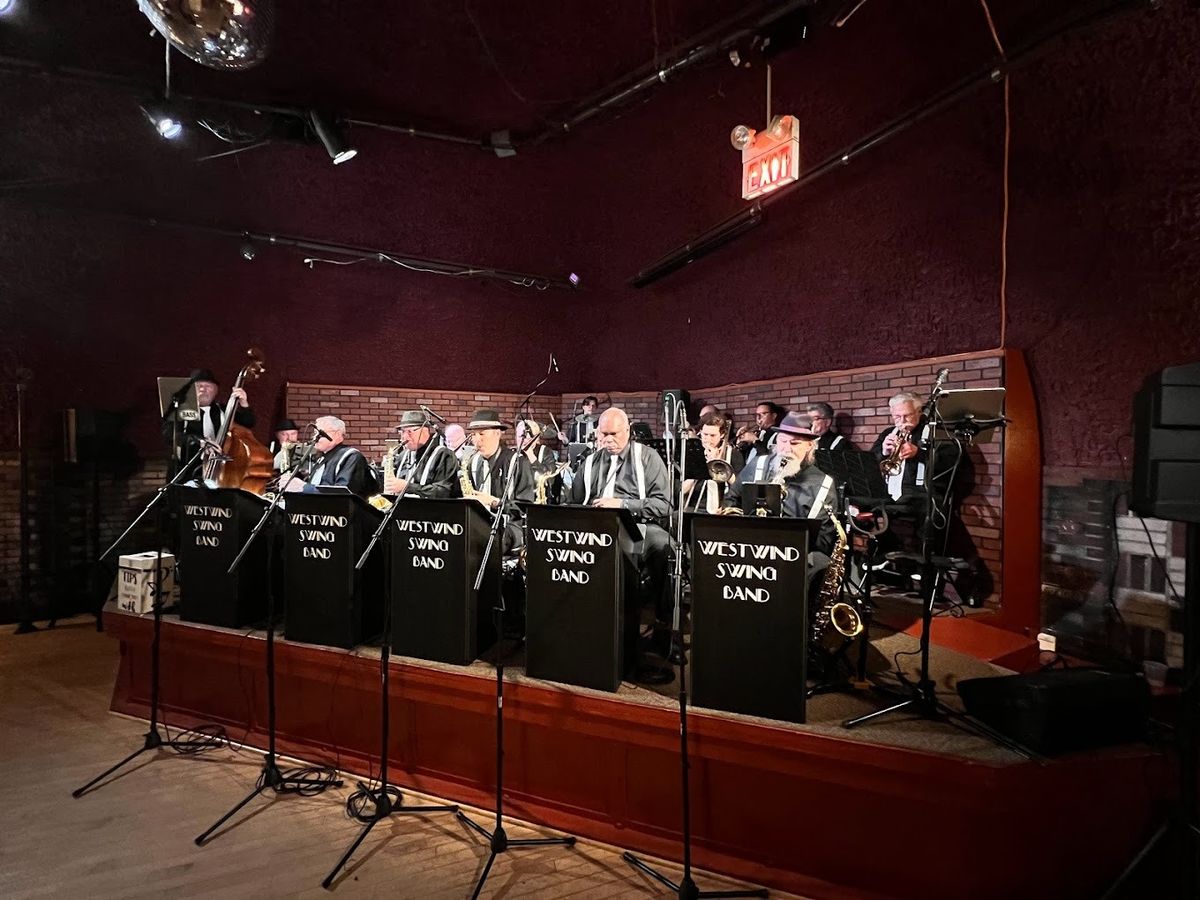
(7, 6)
(331, 138)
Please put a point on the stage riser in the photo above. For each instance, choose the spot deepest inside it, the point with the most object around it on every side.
(815, 815)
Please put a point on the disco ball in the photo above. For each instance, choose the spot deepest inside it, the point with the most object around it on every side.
(220, 34)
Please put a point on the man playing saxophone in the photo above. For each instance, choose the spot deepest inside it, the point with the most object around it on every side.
(425, 467)
(484, 475)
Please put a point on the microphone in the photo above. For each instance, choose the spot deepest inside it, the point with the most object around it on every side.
(942, 375)
(318, 433)
(430, 412)
(553, 362)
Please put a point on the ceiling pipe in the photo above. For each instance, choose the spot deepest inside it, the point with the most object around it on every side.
(727, 231)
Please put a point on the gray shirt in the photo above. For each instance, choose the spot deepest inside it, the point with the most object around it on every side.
(603, 475)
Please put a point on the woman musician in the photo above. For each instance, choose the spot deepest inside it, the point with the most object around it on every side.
(724, 461)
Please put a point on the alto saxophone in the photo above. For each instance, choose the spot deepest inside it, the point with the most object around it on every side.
(380, 501)
(841, 615)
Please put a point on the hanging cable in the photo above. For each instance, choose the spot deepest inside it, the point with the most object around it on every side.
(987, 13)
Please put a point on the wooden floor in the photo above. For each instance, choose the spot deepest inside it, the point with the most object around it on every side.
(133, 836)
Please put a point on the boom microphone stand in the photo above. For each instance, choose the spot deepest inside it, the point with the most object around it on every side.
(498, 839)
(272, 777)
(153, 740)
(686, 888)
(921, 697)
(385, 800)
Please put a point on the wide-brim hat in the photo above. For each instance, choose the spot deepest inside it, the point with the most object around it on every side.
(412, 417)
(797, 426)
(287, 425)
(204, 375)
(486, 418)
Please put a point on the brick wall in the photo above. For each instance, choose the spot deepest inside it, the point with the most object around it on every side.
(75, 513)
(859, 397)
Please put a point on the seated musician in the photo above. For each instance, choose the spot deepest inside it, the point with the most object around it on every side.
(821, 416)
(488, 473)
(808, 492)
(540, 456)
(623, 474)
(212, 414)
(426, 467)
(705, 494)
(906, 446)
(287, 435)
(583, 426)
(335, 463)
(760, 440)
(455, 437)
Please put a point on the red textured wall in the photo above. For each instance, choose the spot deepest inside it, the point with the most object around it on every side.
(896, 257)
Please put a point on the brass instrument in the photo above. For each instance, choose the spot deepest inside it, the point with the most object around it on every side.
(541, 482)
(892, 463)
(721, 471)
(388, 464)
(464, 477)
(841, 615)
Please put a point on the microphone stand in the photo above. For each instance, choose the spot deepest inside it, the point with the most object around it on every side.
(921, 697)
(498, 839)
(153, 740)
(385, 800)
(685, 888)
(272, 777)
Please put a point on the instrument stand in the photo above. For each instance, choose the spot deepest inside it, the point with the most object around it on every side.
(306, 782)
(920, 697)
(686, 888)
(385, 800)
(152, 740)
(498, 839)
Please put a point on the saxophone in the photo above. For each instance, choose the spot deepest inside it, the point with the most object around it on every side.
(542, 481)
(841, 615)
(380, 501)
(464, 477)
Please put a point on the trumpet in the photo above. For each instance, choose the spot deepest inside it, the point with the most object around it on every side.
(891, 464)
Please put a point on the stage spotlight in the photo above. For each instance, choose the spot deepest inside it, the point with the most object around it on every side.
(574, 279)
(161, 118)
(7, 6)
(248, 251)
(741, 137)
(331, 138)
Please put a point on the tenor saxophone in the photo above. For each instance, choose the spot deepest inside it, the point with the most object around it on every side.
(842, 616)
(388, 464)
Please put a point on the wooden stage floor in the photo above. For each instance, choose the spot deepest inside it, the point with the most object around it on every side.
(133, 837)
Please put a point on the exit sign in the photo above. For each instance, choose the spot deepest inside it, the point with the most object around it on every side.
(772, 158)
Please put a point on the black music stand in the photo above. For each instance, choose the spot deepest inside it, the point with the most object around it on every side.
(920, 697)
(305, 782)
(153, 740)
(368, 805)
(686, 888)
(498, 839)
(859, 484)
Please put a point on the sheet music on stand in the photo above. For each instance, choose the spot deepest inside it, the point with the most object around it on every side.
(974, 413)
(189, 401)
(695, 465)
(858, 470)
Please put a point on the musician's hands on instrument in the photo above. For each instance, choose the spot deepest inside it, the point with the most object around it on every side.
(242, 399)
(908, 451)
(294, 486)
(393, 486)
(607, 502)
(889, 444)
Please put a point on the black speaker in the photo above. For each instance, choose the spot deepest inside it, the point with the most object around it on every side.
(1061, 710)
(1166, 445)
(668, 400)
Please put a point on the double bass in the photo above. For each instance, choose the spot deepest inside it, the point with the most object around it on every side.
(242, 462)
